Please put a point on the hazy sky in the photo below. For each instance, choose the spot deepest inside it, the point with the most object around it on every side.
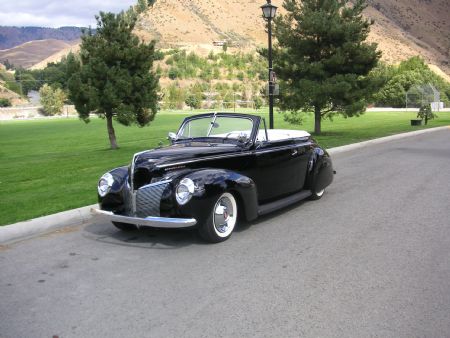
(56, 13)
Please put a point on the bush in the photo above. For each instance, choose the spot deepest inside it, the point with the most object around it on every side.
(174, 73)
(193, 102)
(426, 113)
(258, 102)
(5, 103)
(52, 100)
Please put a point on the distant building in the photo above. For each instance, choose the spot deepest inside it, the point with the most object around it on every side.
(219, 43)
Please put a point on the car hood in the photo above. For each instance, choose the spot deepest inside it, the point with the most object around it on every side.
(182, 152)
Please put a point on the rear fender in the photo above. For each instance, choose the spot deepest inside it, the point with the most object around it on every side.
(320, 170)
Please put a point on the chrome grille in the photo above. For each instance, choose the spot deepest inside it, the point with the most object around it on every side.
(141, 177)
(148, 199)
(128, 200)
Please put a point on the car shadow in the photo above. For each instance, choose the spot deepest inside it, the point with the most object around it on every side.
(156, 238)
(146, 238)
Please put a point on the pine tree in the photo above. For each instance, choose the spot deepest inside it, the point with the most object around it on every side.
(322, 59)
(114, 77)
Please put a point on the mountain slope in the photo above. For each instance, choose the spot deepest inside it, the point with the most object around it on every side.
(14, 36)
(403, 28)
(32, 52)
(422, 25)
(75, 48)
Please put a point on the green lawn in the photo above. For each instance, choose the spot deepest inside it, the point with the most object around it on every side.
(53, 165)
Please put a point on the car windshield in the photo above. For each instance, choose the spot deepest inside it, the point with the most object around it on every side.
(225, 127)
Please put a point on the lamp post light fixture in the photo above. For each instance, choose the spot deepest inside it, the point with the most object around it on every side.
(269, 12)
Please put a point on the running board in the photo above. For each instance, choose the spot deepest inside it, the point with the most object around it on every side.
(284, 202)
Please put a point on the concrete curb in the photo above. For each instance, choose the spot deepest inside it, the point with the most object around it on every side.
(27, 229)
(353, 146)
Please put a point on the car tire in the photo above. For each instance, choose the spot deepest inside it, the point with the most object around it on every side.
(316, 195)
(222, 220)
(125, 226)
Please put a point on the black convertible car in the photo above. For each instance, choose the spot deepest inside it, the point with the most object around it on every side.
(220, 166)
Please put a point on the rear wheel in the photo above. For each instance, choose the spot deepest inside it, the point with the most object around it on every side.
(221, 222)
(316, 195)
(124, 226)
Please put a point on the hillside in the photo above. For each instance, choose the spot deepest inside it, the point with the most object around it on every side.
(403, 28)
(6, 93)
(14, 36)
(75, 48)
(419, 26)
(32, 52)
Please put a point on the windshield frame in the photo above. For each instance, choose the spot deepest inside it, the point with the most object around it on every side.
(213, 116)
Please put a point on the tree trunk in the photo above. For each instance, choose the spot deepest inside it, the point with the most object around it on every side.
(111, 132)
(317, 120)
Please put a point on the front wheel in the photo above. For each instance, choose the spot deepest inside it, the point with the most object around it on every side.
(221, 222)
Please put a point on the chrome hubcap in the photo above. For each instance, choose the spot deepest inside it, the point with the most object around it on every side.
(224, 217)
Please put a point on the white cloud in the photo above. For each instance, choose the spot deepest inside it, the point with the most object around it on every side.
(51, 13)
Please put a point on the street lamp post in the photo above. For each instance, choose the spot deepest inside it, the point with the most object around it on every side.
(269, 12)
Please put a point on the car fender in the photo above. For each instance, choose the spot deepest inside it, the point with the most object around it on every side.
(320, 170)
(114, 198)
(211, 183)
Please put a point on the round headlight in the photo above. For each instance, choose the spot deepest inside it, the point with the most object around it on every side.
(105, 184)
(184, 191)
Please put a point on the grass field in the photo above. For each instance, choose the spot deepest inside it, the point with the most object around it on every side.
(53, 165)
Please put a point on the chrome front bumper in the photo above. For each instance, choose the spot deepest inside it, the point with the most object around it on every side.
(156, 222)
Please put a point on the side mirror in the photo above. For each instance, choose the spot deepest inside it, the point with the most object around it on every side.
(243, 138)
(172, 137)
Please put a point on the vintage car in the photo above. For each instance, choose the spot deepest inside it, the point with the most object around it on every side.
(219, 167)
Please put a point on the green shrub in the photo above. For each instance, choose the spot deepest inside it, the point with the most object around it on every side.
(425, 113)
(52, 100)
(5, 102)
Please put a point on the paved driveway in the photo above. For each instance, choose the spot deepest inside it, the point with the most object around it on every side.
(371, 258)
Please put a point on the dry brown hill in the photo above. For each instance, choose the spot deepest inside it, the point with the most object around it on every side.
(413, 27)
(403, 28)
(32, 52)
(57, 56)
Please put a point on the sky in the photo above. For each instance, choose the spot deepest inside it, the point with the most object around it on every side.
(57, 13)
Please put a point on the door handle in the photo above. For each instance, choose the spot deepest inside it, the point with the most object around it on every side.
(294, 152)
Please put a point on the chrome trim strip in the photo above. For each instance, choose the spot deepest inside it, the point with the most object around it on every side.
(280, 148)
(133, 193)
(156, 222)
(155, 184)
(202, 159)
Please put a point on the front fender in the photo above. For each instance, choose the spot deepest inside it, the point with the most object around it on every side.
(114, 199)
(210, 183)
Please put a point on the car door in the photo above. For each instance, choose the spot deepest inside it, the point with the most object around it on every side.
(280, 169)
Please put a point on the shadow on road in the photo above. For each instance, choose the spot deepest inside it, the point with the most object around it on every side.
(146, 238)
(154, 238)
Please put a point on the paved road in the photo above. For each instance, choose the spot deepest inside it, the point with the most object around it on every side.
(371, 259)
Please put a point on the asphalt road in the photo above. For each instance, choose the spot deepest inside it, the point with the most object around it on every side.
(370, 259)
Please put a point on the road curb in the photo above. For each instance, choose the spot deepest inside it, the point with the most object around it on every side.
(27, 229)
(354, 146)
(38, 226)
